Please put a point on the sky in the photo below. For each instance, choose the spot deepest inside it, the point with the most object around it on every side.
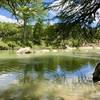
(6, 16)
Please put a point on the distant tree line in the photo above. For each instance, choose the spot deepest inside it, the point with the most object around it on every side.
(73, 29)
(47, 36)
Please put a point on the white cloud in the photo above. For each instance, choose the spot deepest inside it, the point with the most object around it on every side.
(6, 19)
(10, 20)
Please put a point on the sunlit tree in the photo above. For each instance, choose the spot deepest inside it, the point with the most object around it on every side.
(26, 10)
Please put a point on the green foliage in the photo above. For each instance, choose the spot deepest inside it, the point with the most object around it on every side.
(28, 11)
(12, 44)
(53, 36)
(8, 30)
(76, 11)
(74, 42)
(3, 46)
(50, 35)
(97, 34)
(38, 32)
(68, 32)
(60, 35)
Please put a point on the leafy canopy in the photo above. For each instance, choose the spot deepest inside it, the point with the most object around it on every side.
(24, 9)
(82, 11)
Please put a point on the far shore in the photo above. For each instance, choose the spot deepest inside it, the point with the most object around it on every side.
(68, 49)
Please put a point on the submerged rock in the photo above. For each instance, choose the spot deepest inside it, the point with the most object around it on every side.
(25, 50)
(96, 74)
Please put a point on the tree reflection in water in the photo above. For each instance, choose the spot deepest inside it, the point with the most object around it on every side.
(46, 78)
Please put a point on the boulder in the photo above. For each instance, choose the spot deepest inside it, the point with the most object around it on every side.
(96, 74)
(25, 50)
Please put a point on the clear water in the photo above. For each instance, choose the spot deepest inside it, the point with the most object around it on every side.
(51, 67)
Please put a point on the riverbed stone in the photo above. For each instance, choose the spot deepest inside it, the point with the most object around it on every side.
(25, 50)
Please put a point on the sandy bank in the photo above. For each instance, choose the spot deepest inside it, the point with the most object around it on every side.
(69, 49)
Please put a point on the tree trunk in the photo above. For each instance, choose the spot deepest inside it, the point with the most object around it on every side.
(24, 31)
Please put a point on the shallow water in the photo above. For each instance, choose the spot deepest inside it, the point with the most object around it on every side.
(44, 69)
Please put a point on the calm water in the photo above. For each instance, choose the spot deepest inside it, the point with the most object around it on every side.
(16, 69)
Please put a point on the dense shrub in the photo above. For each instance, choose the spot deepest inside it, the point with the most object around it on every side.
(12, 44)
(3, 46)
(74, 42)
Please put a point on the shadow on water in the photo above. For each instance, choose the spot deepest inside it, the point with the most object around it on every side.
(50, 77)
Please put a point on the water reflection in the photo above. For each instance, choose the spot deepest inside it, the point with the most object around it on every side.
(46, 67)
(28, 74)
(39, 78)
(7, 79)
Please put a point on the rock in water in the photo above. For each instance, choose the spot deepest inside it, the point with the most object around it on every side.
(25, 50)
(96, 74)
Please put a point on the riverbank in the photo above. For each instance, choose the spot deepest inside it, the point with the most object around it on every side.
(68, 49)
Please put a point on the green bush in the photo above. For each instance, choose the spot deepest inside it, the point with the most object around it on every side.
(3, 46)
(74, 42)
(12, 44)
(30, 44)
